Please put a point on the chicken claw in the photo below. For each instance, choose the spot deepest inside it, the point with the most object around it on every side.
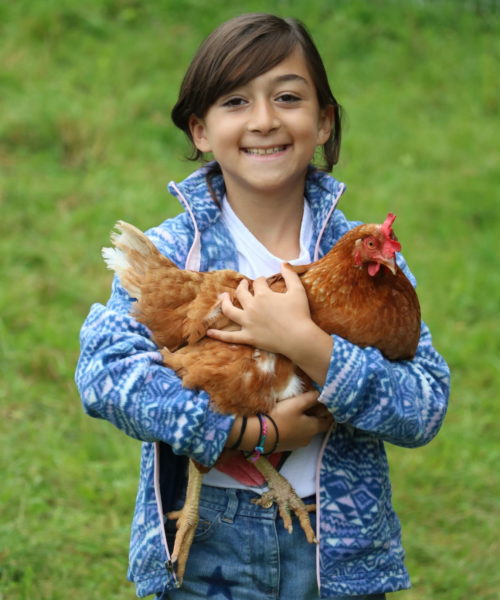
(281, 492)
(187, 521)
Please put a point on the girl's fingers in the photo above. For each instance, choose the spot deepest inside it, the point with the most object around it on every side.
(297, 406)
(308, 400)
(291, 278)
(260, 284)
(324, 423)
(318, 411)
(230, 337)
(229, 310)
(242, 292)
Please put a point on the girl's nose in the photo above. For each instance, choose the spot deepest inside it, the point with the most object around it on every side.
(263, 118)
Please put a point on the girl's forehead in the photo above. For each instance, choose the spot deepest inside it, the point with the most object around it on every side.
(292, 68)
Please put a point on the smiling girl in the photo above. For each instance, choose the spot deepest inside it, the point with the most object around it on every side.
(257, 98)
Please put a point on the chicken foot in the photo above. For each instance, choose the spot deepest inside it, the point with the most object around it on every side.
(187, 521)
(281, 492)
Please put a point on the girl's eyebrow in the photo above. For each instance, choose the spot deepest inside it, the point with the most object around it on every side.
(291, 77)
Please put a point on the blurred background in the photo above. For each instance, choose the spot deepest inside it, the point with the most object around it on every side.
(86, 139)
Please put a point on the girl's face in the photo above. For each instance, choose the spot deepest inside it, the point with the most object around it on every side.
(264, 133)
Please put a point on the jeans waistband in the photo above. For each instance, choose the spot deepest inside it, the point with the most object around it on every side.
(235, 502)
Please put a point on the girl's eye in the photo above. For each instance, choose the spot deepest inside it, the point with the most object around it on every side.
(231, 102)
(288, 98)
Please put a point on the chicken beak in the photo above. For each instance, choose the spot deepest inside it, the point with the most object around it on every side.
(390, 263)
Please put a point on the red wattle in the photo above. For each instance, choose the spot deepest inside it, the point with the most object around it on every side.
(373, 268)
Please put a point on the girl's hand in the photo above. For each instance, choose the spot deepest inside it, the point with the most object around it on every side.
(268, 320)
(298, 420)
(278, 322)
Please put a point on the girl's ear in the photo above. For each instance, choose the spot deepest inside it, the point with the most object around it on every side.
(198, 133)
(325, 124)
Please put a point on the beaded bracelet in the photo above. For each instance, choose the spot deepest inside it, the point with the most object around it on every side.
(242, 431)
(277, 440)
(259, 448)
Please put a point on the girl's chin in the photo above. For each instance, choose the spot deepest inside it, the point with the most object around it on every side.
(265, 182)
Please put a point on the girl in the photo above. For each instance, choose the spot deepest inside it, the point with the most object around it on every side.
(256, 96)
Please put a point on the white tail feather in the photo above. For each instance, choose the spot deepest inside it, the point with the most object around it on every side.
(118, 262)
(120, 259)
(131, 238)
(115, 260)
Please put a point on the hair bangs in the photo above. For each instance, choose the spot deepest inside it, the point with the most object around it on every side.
(248, 61)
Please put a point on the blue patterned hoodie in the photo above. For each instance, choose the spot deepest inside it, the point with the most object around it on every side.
(120, 378)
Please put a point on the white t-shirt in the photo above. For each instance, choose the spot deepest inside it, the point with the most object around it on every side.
(255, 260)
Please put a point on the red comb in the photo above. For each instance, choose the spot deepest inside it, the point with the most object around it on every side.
(386, 227)
(391, 245)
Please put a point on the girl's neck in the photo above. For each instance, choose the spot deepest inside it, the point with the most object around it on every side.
(273, 219)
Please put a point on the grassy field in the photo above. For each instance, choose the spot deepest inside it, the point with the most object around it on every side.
(85, 139)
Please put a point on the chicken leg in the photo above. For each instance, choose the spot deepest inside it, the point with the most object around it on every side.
(187, 520)
(280, 492)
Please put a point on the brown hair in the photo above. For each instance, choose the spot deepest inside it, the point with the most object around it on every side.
(240, 50)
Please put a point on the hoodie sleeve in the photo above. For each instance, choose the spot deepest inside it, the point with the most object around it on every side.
(121, 378)
(402, 402)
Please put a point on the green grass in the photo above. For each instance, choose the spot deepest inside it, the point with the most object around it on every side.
(85, 139)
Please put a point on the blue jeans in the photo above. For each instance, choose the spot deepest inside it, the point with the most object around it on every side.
(242, 552)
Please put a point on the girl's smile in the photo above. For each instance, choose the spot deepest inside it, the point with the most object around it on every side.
(274, 150)
(264, 133)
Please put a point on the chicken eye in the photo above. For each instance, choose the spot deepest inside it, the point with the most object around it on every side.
(370, 244)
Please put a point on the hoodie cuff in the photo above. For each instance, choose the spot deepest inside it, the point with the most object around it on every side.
(208, 443)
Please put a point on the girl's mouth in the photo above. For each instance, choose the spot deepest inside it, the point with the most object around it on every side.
(264, 151)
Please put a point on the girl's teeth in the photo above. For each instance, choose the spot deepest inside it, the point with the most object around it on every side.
(264, 150)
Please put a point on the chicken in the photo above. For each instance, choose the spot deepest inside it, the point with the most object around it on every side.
(356, 291)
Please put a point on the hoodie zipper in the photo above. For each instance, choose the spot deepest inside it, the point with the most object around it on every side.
(159, 506)
(193, 260)
(333, 206)
(318, 505)
(192, 263)
(341, 190)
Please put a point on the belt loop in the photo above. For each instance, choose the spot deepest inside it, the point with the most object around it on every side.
(232, 506)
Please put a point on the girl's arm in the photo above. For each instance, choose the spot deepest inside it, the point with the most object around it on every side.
(121, 378)
(402, 402)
